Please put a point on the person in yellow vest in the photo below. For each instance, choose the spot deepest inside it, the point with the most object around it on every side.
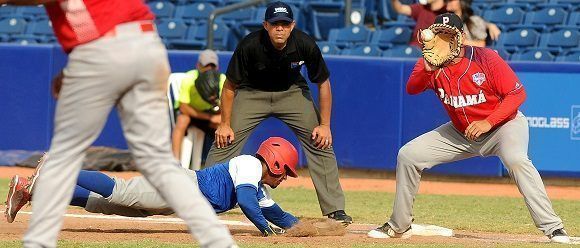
(198, 100)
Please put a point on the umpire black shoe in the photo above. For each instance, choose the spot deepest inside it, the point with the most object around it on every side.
(340, 216)
(559, 236)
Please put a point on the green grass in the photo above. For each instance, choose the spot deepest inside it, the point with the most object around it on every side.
(472, 213)
(469, 213)
(4, 185)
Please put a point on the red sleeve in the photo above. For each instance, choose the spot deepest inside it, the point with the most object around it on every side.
(420, 79)
(416, 10)
(505, 84)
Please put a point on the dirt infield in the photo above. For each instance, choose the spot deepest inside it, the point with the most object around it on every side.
(89, 227)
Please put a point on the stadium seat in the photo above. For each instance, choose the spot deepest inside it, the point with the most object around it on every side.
(572, 56)
(533, 55)
(519, 38)
(504, 54)
(7, 10)
(349, 36)
(33, 11)
(328, 48)
(195, 11)
(402, 52)
(564, 38)
(162, 9)
(41, 27)
(231, 18)
(324, 16)
(3, 38)
(197, 38)
(12, 25)
(505, 15)
(386, 11)
(385, 38)
(530, 2)
(172, 29)
(574, 19)
(24, 39)
(547, 16)
(362, 51)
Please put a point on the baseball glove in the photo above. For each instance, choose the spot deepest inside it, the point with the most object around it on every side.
(316, 227)
(441, 44)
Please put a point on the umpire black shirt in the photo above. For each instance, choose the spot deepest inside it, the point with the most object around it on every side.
(256, 64)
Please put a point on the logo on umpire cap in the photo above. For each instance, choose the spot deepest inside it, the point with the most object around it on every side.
(280, 10)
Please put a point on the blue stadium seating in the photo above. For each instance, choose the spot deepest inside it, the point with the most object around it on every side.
(572, 56)
(328, 48)
(162, 9)
(7, 10)
(362, 51)
(509, 14)
(519, 38)
(324, 16)
(574, 19)
(402, 52)
(195, 11)
(237, 16)
(197, 38)
(41, 27)
(172, 28)
(533, 55)
(385, 38)
(564, 38)
(504, 54)
(12, 25)
(349, 36)
(547, 16)
(32, 11)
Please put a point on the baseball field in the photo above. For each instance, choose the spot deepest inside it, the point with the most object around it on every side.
(482, 214)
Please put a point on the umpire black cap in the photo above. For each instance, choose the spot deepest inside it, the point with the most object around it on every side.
(450, 19)
(278, 11)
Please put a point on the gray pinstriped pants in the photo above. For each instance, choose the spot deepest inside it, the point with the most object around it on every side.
(129, 70)
(445, 144)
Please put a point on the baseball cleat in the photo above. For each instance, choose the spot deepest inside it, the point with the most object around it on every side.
(341, 217)
(18, 196)
(386, 231)
(559, 236)
(32, 179)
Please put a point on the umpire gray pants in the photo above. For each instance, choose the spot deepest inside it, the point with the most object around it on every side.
(295, 108)
(445, 144)
(129, 70)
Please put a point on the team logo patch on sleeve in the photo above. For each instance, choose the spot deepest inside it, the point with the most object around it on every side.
(478, 78)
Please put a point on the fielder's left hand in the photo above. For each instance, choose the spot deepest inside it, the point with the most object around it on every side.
(476, 129)
(322, 137)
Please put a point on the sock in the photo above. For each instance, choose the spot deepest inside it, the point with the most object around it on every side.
(80, 197)
(97, 182)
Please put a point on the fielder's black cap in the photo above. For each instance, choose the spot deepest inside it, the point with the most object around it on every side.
(450, 19)
(278, 11)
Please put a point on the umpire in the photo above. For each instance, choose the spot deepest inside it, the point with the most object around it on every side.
(264, 80)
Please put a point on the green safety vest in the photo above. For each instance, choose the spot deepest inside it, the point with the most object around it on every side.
(188, 93)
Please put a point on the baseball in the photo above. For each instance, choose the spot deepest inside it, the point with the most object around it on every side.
(427, 35)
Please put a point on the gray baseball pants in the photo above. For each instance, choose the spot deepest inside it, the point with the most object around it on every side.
(295, 108)
(446, 144)
(135, 197)
(129, 70)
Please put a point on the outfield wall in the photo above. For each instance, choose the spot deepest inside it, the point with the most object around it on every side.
(372, 115)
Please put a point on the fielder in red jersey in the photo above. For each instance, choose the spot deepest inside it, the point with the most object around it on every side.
(481, 94)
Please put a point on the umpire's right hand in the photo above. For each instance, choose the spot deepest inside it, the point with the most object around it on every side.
(224, 135)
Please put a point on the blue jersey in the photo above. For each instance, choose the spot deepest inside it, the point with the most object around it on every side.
(218, 183)
(238, 182)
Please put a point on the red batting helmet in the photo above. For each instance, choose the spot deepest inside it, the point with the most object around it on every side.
(279, 155)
